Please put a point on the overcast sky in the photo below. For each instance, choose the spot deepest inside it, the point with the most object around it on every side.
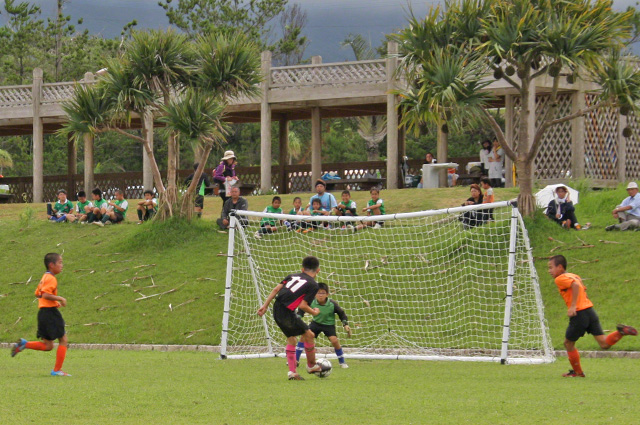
(329, 21)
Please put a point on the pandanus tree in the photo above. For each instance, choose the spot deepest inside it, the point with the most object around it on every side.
(521, 42)
(182, 85)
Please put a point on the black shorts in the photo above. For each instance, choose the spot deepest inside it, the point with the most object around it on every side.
(50, 324)
(288, 321)
(117, 217)
(317, 329)
(199, 201)
(584, 321)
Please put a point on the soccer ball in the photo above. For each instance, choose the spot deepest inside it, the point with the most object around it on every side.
(326, 367)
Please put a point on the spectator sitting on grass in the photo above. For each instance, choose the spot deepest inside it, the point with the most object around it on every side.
(116, 210)
(148, 207)
(82, 210)
(375, 206)
(562, 211)
(297, 210)
(347, 206)
(235, 202)
(98, 204)
(628, 213)
(58, 213)
(268, 224)
(476, 217)
(327, 200)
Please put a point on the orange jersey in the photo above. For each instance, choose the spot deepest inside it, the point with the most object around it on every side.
(48, 284)
(564, 281)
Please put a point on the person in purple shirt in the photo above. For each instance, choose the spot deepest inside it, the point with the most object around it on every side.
(225, 171)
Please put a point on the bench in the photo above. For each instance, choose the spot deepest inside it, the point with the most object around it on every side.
(5, 198)
(365, 183)
(246, 189)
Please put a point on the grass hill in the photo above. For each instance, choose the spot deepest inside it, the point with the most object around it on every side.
(107, 270)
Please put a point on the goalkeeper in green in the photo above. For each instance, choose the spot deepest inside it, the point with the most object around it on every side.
(325, 322)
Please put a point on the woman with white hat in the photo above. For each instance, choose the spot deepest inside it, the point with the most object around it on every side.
(224, 172)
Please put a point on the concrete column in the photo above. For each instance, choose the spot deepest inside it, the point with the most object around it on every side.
(577, 134)
(509, 114)
(402, 151)
(38, 138)
(88, 163)
(147, 174)
(72, 167)
(282, 158)
(442, 151)
(392, 117)
(265, 125)
(316, 137)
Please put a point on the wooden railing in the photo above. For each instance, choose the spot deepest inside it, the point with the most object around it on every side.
(297, 179)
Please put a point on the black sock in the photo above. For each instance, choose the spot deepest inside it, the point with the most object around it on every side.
(140, 215)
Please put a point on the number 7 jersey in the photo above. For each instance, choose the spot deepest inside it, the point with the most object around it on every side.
(297, 287)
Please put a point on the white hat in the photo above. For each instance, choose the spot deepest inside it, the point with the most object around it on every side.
(632, 185)
(228, 155)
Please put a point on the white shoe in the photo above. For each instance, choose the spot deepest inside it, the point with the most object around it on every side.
(344, 365)
(377, 226)
(257, 235)
(98, 223)
(314, 369)
(351, 228)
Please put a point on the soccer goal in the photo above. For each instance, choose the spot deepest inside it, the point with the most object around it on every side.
(451, 284)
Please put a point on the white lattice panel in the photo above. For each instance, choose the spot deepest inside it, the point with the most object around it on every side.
(553, 160)
(601, 142)
(15, 96)
(362, 72)
(57, 92)
(633, 148)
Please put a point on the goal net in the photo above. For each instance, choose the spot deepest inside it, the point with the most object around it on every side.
(454, 284)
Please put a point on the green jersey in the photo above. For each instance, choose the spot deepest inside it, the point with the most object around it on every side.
(100, 203)
(202, 187)
(64, 207)
(294, 211)
(328, 313)
(378, 202)
(122, 204)
(266, 221)
(80, 206)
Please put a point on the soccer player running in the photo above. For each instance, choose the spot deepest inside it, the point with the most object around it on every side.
(582, 316)
(325, 322)
(296, 291)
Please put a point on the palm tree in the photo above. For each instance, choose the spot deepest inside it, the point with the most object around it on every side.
(532, 39)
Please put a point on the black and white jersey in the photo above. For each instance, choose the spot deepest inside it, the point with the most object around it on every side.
(297, 287)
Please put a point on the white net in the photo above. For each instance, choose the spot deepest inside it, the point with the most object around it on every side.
(427, 285)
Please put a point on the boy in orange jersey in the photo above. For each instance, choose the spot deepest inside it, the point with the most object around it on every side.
(582, 316)
(50, 321)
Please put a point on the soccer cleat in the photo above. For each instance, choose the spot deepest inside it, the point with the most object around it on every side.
(572, 374)
(18, 347)
(295, 377)
(107, 222)
(351, 228)
(98, 223)
(315, 369)
(257, 235)
(377, 226)
(344, 365)
(610, 228)
(627, 330)
(59, 373)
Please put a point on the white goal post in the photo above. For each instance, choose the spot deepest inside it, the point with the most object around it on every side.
(450, 284)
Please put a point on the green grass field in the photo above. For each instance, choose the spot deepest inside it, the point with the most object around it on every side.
(194, 388)
(99, 282)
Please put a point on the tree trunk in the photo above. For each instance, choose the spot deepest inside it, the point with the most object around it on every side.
(157, 177)
(526, 201)
(169, 202)
(186, 208)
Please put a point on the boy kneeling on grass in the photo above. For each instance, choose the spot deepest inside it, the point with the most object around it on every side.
(582, 317)
(325, 322)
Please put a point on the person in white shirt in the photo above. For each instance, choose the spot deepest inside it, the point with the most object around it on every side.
(496, 156)
(484, 156)
(627, 213)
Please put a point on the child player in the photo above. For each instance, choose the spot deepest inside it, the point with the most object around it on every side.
(347, 206)
(582, 316)
(375, 206)
(61, 208)
(296, 291)
(267, 224)
(147, 208)
(82, 209)
(325, 322)
(50, 321)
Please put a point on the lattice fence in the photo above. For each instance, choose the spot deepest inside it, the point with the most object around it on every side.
(361, 72)
(57, 92)
(553, 160)
(15, 96)
(601, 142)
(633, 148)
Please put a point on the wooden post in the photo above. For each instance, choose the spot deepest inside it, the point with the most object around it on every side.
(265, 125)
(38, 138)
(392, 117)
(316, 137)
(72, 163)
(622, 149)
(577, 134)
(88, 151)
(508, 134)
(282, 158)
(147, 173)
